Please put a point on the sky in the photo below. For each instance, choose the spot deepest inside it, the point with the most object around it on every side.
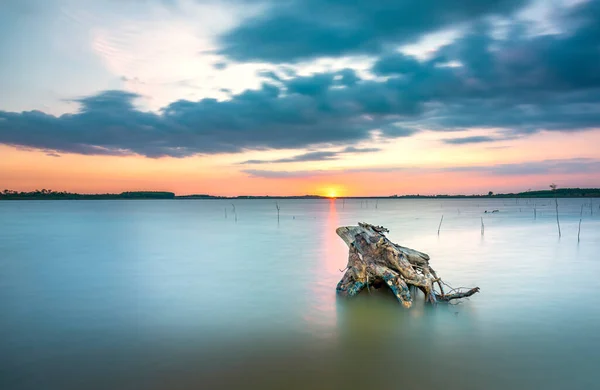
(293, 97)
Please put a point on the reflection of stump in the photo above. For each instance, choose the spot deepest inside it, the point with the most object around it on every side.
(374, 261)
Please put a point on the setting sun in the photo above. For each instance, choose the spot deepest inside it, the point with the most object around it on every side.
(331, 191)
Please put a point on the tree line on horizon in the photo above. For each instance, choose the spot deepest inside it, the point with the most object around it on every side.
(51, 194)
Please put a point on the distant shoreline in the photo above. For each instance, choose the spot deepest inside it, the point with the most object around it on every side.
(154, 195)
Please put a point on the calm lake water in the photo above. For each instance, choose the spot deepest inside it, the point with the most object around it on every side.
(174, 295)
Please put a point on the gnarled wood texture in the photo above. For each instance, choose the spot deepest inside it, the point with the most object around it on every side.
(374, 261)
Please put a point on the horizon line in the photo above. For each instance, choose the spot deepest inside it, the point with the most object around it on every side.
(45, 193)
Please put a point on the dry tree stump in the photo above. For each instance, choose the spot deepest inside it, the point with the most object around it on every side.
(375, 261)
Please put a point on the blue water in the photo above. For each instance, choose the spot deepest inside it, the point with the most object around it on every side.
(178, 294)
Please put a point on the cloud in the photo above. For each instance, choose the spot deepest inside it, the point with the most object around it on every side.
(311, 156)
(395, 64)
(310, 85)
(469, 140)
(268, 174)
(275, 174)
(295, 30)
(314, 156)
(108, 123)
(352, 149)
(516, 85)
(544, 167)
(270, 75)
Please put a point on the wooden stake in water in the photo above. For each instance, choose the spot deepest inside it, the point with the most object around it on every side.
(234, 212)
(277, 205)
(482, 226)
(534, 212)
(439, 227)
(557, 221)
(225, 209)
(580, 216)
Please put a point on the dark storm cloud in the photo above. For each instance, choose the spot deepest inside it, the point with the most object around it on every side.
(108, 123)
(396, 64)
(348, 77)
(310, 85)
(291, 30)
(517, 86)
(522, 84)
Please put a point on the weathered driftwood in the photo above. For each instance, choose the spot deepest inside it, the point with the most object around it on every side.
(374, 261)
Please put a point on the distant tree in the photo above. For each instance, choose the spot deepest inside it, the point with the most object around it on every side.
(490, 193)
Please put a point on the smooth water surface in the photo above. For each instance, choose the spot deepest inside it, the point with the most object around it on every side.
(178, 294)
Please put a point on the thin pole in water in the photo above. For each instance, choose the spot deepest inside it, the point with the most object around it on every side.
(277, 205)
(482, 226)
(225, 209)
(557, 221)
(580, 217)
(534, 212)
(234, 212)
(439, 227)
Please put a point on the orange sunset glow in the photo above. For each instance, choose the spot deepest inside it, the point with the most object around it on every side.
(220, 175)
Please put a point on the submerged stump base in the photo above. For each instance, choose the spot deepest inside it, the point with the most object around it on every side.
(375, 261)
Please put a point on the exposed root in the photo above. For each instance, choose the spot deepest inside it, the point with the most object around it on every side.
(373, 260)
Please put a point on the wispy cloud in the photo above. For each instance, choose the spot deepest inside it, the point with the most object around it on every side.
(311, 156)
(315, 156)
(470, 140)
(544, 167)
